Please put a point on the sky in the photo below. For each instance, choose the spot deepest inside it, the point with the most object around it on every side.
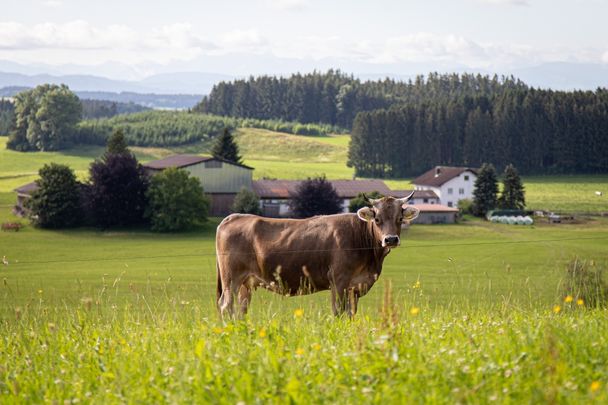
(133, 38)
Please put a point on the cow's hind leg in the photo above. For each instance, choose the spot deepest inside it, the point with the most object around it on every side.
(338, 301)
(244, 298)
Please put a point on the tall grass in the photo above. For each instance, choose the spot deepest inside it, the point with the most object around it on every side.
(161, 348)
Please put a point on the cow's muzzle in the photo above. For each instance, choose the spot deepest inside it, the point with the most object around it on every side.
(390, 241)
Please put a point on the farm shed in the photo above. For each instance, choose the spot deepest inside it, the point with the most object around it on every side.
(275, 195)
(435, 214)
(221, 179)
(24, 193)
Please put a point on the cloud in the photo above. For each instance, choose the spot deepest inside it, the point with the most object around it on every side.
(605, 57)
(507, 2)
(289, 5)
(243, 41)
(53, 3)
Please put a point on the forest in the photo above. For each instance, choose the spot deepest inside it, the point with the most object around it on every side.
(403, 128)
(335, 98)
(538, 131)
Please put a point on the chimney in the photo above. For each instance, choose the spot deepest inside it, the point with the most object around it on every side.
(437, 171)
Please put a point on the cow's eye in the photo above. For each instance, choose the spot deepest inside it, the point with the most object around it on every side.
(400, 219)
(377, 221)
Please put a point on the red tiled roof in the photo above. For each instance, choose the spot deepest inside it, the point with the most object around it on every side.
(440, 175)
(184, 161)
(434, 208)
(28, 188)
(417, 193)
(282, 189)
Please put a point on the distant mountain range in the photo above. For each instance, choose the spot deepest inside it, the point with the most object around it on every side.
(185, 89)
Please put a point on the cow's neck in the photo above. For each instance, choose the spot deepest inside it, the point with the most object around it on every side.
(371, 241)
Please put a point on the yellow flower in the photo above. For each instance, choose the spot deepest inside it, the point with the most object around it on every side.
(262, 333)
(299, 351)
(417, 285)
(414, 311)
(316, 346)
(39, 291)
(557, 309)
(580, 302)
(298, 313)
(568, 299)
(217, 329)
(595, 385)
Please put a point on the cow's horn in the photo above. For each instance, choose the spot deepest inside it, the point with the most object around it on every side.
(371, 201)
(406, 199)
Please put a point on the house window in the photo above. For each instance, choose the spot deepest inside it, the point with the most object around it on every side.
(466, 178)
(426, 200)
(450, 191)
(450, 204)
(461, 191)
(213, 164)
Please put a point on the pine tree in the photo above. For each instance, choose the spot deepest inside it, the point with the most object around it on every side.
(486, 189)
(117, 143)
(226, 148)
(512, 196)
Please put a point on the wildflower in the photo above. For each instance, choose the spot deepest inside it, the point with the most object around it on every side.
(316, 346)
(414, 311)
(199, 349)
(298, 313)
(580, 302)
(217, 330)
(299, 351)
(568, 299)
(557, 309)
(39, 291)
(595, 385)
(416, 285)
(51, 327)
(262, 332)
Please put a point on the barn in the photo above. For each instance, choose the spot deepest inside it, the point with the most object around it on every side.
(221, 179)
(275, 195)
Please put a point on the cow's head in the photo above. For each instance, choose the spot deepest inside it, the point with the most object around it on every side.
(386, 216)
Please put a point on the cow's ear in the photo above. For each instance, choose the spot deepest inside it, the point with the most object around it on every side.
(410, 212)
(365, 214)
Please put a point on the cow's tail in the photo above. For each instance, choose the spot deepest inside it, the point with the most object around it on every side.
(219, 285)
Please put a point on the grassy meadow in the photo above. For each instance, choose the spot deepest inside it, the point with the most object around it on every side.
(467, 313)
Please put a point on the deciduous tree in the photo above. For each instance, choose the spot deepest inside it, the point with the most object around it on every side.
(315, 196)
(56, 203)
(176, 201)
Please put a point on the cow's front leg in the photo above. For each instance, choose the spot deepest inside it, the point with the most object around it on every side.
(344, 300)
(353, 300)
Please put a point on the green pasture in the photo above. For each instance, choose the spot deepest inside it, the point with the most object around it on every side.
(467, 313)
(471, 313)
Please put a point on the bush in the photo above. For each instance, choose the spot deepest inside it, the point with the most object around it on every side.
(315, 197)
(465, 206)
(11, 226)
(56, 203)
(585, 280)
(246, 202)
(176, 201)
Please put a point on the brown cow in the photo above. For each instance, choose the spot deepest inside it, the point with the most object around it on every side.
(342, 253)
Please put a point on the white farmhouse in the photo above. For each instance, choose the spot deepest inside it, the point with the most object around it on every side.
(450, 184)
